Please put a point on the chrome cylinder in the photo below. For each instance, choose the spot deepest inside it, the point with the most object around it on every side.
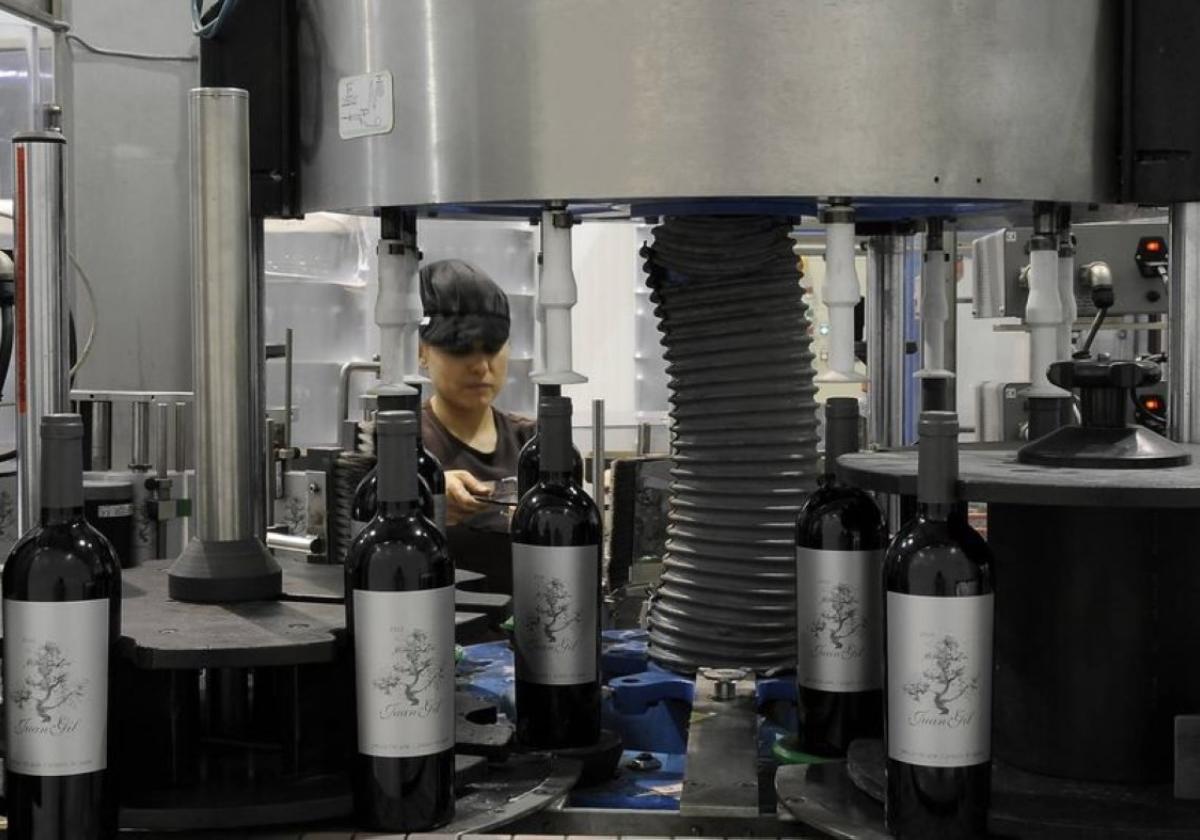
(885, 347)
(102, 435)
(180, 437)
(226, 560)
(1183, 353)
(39, 237)
(950, 240)
(598, 454)
(139, 456)
(222, 318)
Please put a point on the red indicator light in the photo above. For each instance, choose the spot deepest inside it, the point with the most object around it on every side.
(1152, 403)
(1154, 246)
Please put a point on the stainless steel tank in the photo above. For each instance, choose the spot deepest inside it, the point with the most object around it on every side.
(577, 99)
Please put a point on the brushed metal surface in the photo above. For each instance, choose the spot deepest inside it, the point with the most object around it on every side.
(579, 99)
(1183, 367)
(223, 318)
(42, 304)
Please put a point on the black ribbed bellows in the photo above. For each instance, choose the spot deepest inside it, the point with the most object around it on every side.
(743, 439)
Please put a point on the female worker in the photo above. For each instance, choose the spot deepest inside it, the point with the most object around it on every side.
(464, 351)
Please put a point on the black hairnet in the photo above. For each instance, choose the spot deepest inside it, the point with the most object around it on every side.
(464, 308)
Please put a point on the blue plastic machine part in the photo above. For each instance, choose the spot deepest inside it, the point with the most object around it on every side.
(648, 707)
(623, 652)
(486, 670)
(644, 781)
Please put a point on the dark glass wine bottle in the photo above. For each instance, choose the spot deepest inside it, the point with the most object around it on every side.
(840, 540)
(938, 609)
(433, 480)
(529, 461)
(400, 618)
(556, 596)
(62, 618)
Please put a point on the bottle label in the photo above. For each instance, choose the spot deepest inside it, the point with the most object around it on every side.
(939, 679)
(555, 605)
(839, 619)
(56, 686)
(404, 672)
(439, 511)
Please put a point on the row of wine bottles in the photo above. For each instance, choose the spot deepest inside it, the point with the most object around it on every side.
(61, 619)
(400, 617)
(897, 636)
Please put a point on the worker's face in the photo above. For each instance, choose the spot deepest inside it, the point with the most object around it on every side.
(467, 380)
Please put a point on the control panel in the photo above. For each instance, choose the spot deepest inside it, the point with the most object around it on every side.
(1135, 253)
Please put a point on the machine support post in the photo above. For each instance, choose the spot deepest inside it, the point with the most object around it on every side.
(840, 292)
(935, 312)
(1044, 318)
(226, 559)
(885, 347)
(43, 301)
(398, 309)
(556, 296)
(1066, 281)
(1183, 352)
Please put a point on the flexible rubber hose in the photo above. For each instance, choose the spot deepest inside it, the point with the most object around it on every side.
(743, 422)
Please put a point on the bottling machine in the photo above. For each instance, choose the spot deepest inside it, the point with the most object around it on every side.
(916, 129)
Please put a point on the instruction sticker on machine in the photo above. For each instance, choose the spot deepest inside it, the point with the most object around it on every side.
(365, 105)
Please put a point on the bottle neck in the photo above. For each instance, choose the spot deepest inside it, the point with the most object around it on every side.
(841, 437)
(937, 511)
(62, 481)
(395, 510)
(554, 448)
(937, 472)
(397, 470)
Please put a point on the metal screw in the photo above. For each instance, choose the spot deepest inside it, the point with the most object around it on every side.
(644, 762)
(725, 681)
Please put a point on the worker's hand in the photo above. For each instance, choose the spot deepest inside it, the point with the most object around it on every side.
(461, 487)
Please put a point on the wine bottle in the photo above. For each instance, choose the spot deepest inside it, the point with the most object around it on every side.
(556, 596)
(938, 612)
(400, 618)
(529, 461)
(62, 618)
(433, 481)
(840, 540)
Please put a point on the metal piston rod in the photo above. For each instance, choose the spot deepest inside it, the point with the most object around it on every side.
(42, 357)
(226, 559)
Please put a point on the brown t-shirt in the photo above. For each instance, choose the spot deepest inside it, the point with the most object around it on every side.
(481, 543)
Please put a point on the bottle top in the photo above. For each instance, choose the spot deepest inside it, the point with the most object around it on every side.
(62, 427)
(398, 398)
(397, 424)
(62, 461)
(841, 429)
(938, 424)
(937, 458)
(554, 433)
(554, 406)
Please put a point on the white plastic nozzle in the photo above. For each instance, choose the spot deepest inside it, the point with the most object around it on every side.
(935, 312)
(1044, 318)
(1070, 309)
(398, 311)
(557, 294)
(840, 294)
